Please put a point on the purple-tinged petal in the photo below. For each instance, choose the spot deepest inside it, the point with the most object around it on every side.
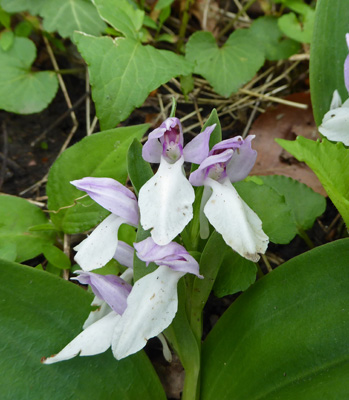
(95, 339)
(111, 195)
(242, 161)
(198, 148)
(197, 177)
(346, 66)
(99, 248)
(124, 254)
(165, 202)
(151, 307)
(110, 288)
(173, 255)
(232, 143)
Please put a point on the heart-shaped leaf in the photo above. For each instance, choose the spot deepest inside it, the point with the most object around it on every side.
(286, 337)
(123, 72)
(64, 16)
(17, 242)
(39, 315)
(269, 35)
(100, 155)
(229, 67)
(21, 90)
(330, 163)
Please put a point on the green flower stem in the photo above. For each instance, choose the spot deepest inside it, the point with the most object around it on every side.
(184, 23)
(306, 238)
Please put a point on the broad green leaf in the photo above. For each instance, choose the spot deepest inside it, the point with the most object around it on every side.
(100, 155)
(139, 171)
(272, 209)
(163, 4)
(17, 216)
(24, 29)
(6, 39)
(300, 30)
(56, 257)
(330, 163)
(235, 274)
(123, 72)
(269, 36)
(121, 15)
(21, 90)
(39, 315)
(16, 6)
(286, 337)
(327, 54)
(187, 84)
(64, 16)
(305, 204)
(5, 18)
(229, 67)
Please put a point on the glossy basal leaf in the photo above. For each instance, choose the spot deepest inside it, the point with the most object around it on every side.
(229, 67)
(286, 337)
(39, 315)
(305, 204)
(123, 72)
(17, 242)
(121, 15)
(235, 274)
(327, 54)
(100, 155)
(330, 163)
(21, 90)
(56, 257)
(269, 36)
(64, 16)
(272, 209)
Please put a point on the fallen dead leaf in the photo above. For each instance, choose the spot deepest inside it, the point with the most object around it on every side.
(285, 122)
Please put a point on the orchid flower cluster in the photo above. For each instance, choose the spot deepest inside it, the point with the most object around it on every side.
(128, 315)
(335, 124)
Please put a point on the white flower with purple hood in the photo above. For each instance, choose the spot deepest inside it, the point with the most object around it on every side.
(100, 247)
(229, 161)
(335, 124)
(165, 201)
(129, 316)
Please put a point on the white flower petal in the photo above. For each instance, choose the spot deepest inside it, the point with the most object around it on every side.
(151, 307)
(94, 316)
(165, 202)
(93, 340)
(165, 349)
(336, 100)
(99, 248)
(335, 125)
(204, 226)
(240, 227)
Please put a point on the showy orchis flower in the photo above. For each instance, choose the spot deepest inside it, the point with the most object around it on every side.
(229, 161)
(165, 201)
(129, 316)
(335, 124)
(100, 247)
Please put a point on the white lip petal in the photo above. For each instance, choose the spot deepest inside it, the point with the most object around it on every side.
(239, 226)
(95, 339)
(151, 307)
(99, 248)
(165, 202)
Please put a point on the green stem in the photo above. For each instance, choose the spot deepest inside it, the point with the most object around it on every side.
(184, 24)
(69, 71)
(306, 238)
